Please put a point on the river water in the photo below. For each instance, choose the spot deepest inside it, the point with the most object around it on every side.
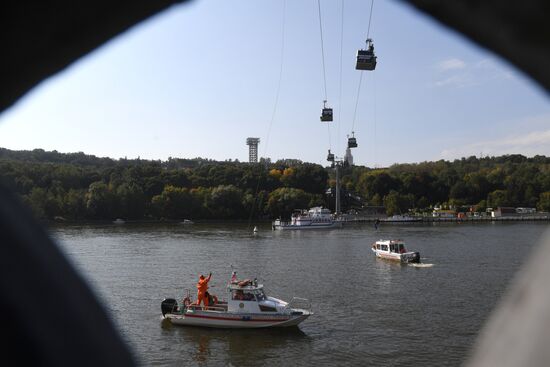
(367, 311)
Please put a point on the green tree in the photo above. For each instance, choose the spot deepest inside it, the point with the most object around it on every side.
(544, 201)
(225, 202)
(175, 203)
(284, 200)
(498, 198)
(130, 200)
(100, 201)
(396, 203)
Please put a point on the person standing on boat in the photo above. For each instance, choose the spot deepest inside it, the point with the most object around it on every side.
(202, 287)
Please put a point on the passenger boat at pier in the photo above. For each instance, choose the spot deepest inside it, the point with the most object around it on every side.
(394, 250)
(314, 218)
(247, 307)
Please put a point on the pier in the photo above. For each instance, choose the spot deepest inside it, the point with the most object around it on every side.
(427, 219)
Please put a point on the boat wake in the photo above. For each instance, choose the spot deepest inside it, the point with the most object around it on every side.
(421, 265)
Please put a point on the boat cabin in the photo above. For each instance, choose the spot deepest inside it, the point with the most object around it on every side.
(366, 59)
(326, 113)
(391, 246)
(249, 299)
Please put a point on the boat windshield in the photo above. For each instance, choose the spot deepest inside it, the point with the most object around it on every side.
(242, 295)
(260, 295)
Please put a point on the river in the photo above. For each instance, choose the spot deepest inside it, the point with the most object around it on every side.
(367, 311)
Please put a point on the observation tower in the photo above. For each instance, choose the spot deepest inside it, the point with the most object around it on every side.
(252, 149)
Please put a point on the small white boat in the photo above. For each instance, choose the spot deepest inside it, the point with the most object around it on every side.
(247, 307)
(119, 221)
(187, 221)
(394, 250)
(314, 218)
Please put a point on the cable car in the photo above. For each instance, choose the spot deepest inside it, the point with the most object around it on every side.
(330, 156)
(352, 142)
(366, 59)
(326, 114)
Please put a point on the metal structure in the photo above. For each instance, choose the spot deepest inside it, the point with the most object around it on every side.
(252, 149)
(336, 163)
(366, 59)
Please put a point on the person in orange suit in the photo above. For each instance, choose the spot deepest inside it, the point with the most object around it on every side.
(202, 287)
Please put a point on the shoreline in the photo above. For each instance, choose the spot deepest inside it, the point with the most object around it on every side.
(415, 220)
(534, 218)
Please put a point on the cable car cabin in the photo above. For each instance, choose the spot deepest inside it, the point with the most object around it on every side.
(326, 115)
(352, 143)
(366, 59)
(330, 157)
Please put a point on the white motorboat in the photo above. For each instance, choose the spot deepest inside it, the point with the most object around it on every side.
(247, 307)
(394, 250)
(314, 218)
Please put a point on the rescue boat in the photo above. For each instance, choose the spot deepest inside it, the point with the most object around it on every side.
(247, 307)
(394, 250)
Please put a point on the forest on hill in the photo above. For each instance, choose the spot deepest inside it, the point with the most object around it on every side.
(81, 187)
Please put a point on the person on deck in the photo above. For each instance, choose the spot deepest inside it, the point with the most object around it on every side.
(202, 287)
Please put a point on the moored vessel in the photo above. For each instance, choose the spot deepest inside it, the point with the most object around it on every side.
(314, 218)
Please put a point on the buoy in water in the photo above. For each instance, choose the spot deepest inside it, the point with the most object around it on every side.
(255, 229)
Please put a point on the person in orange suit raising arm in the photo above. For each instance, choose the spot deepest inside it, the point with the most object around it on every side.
(202, 287)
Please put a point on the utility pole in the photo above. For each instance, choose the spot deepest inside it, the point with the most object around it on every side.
(336, 164)
(336, 168)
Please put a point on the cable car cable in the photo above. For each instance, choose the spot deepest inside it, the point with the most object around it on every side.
(322, 49)
(340, 87)
(278, 91)
(370, 17)
(361, 75)
(356, 102)
(324, 73)
(275, 105)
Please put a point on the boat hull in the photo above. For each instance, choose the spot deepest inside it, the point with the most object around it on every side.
(236, 321)
(408, 257)
(309, 226)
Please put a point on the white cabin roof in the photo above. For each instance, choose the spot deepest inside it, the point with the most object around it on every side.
(251, 287)
(387, 242)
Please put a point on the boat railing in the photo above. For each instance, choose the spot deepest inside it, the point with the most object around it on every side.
(297, 302)
(283, 223)
(206, 308)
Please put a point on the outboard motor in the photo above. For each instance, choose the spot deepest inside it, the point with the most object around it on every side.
(416, 257)
(168, 305)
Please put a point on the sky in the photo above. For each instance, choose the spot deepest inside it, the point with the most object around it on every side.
(198, 79)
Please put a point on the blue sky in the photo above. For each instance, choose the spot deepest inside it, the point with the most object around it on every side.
(199, 78)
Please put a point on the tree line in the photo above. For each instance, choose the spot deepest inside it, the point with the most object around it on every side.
(479, 183)
(82, 187)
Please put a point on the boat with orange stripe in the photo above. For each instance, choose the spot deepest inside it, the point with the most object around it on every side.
(247, 307)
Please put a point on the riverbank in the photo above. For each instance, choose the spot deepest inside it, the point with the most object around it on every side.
(520, 218)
